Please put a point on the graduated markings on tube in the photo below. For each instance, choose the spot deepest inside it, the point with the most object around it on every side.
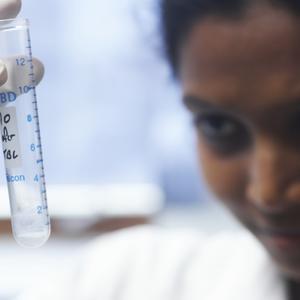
(10, 137)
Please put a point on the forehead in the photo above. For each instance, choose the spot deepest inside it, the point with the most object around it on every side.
(249, 62)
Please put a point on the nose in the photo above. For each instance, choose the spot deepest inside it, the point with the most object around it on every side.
(274, 176)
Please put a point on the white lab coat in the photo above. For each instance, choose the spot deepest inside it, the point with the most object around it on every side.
(150, 263)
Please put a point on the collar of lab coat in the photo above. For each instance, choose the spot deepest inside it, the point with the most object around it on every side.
(234, 267)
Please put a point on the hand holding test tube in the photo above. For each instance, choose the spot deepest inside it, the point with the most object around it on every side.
(19, 74)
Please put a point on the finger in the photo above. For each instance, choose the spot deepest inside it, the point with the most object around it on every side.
(19, 75)
(9, 8)
(38, 69)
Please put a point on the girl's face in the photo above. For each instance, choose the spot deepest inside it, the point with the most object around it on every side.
(241, 81)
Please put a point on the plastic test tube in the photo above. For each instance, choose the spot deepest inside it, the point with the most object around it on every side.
(21, 140)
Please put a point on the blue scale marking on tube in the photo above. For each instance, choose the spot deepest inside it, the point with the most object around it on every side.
(35, 117)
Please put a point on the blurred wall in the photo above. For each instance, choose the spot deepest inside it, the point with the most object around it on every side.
(109, 109)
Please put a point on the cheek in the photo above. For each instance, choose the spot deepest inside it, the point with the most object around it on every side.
(226, 177)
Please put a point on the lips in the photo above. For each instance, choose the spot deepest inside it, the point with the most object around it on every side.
(289, 232)
(287, 240)
(286, 224)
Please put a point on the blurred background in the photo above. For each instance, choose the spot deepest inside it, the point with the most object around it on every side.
(119, 147)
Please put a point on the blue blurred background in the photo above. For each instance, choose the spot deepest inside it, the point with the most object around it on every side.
(117, 141)
(110, 110)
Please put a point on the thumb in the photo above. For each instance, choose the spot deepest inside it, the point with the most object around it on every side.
(13, 77)
(38, 70)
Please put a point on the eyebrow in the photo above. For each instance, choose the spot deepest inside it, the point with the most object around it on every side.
(195, 103)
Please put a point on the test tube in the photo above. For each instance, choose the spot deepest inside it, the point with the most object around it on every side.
(21, 142)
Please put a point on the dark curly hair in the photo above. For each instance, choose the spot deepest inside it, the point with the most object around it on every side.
(178, 16)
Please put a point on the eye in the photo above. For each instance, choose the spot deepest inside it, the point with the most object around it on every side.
(294, 124)
(222, 132)
(216, 126)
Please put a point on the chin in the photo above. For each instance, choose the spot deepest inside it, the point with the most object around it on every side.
(289, 272)
(288, 264)
(285, 253)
